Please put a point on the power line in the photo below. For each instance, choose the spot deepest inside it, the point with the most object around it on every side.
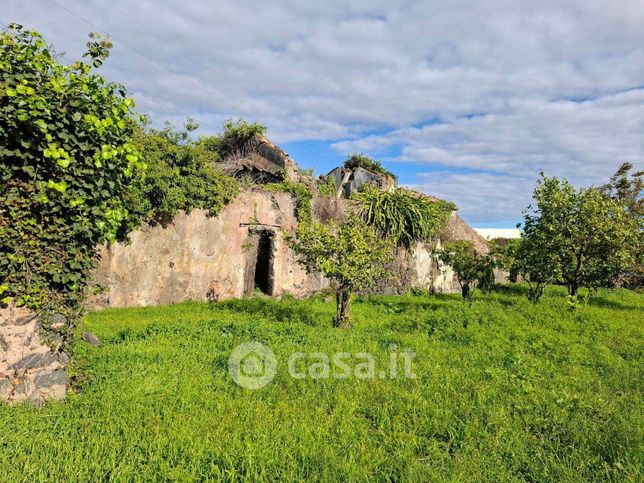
(149, 59)
(161, 66)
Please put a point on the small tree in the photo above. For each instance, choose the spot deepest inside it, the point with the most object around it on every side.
(581, 237)
(537, 264)
(472, 269)
(504, 251)
(626, 188)
(350, 254)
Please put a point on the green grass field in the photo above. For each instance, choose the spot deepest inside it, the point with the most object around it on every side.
(505, 390)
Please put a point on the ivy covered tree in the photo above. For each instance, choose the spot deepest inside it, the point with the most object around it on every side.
(472, 269)
(580, 237)
(66, 165)
(350, 254)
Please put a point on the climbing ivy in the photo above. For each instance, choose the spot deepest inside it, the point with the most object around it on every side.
(326, 186)
(300, 192)
(66, 164)
(182, 174)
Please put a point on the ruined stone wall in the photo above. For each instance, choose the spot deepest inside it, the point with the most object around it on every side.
(30, 369)
(202, 258)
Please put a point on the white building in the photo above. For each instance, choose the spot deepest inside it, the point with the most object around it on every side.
(491, 233)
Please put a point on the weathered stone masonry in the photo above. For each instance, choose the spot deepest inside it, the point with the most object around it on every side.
(30, 369)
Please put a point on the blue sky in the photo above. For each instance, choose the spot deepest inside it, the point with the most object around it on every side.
(466, 100)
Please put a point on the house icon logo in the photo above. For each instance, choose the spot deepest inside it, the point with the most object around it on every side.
(252, 365)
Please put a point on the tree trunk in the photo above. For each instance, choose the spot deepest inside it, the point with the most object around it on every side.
(343, 301)
(465, 291)
(573, 288)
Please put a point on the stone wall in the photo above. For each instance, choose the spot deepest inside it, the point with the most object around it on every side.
(204, 258)
(30, 370)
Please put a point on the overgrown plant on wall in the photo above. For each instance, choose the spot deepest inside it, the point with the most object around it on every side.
(67, 163)
(236, 138)
(403, 215)
(182, 175)
(326, 186)
(353, 256)
(300, 192)
(357, 160)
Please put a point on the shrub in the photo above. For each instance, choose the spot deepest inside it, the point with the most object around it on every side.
(182, 175)
(361, 161)
(236, 136)
(403, 215)
(472, 269)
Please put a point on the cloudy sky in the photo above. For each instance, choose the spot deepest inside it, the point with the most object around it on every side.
(463, 99)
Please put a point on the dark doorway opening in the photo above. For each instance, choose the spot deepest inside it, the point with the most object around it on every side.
(264, 265)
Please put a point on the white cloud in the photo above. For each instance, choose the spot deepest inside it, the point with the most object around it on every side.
(480, 197)
(496, 74)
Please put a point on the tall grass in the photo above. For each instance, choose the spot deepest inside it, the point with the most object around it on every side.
(505, 390)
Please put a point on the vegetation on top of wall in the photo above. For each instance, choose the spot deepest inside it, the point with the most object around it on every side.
(300, 192)
(67, 163)
(182, 175)
(235, 137)
(359, 160)
(401, 214)
(326, 185)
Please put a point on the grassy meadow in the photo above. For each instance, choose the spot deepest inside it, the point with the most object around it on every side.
(504, 391)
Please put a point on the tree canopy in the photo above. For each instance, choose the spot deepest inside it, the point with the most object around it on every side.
(350, 254)
(580, 237)
(472, 269)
